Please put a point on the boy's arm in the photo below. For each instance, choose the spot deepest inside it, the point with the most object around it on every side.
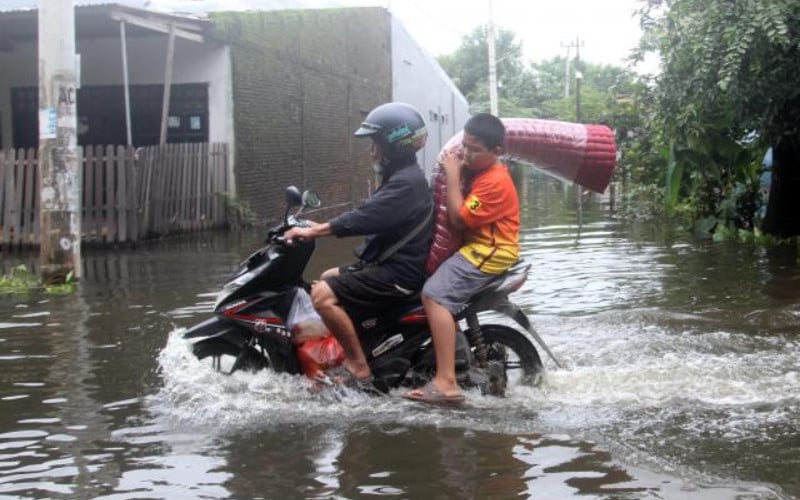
(452, 166)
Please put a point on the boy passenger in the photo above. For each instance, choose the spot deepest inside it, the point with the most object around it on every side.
(488, 217)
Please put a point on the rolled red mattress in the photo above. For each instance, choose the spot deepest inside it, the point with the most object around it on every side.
(583, 154)
(580, 153)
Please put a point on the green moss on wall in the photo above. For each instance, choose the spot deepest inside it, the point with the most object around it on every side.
(302, 81)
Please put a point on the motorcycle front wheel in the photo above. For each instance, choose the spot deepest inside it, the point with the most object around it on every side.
(227, 358)
(512, 349)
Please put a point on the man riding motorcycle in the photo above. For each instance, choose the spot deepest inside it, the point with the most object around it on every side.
(396, 221)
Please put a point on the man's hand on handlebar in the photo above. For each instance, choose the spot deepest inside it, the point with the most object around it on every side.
(313, 230)
(298, 233)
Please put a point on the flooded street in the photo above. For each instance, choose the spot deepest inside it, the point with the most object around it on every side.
(681, 381)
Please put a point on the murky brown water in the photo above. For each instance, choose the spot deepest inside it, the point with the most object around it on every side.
(683, 368)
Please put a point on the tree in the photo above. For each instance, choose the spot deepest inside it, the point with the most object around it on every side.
(726, 92)
(533, 90)
(468, 67)
(601, 89)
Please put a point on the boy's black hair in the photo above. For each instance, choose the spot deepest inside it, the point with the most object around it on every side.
(487, 128)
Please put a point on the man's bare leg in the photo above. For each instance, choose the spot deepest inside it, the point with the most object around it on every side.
(341, 326)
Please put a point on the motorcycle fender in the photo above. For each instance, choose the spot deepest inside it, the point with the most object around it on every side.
(514, 312)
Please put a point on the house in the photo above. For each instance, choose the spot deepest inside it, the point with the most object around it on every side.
(284, 89)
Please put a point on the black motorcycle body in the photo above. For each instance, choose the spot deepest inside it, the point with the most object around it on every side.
(249, 323)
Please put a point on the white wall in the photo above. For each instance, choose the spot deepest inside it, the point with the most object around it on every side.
(419, 80)
(101, 64)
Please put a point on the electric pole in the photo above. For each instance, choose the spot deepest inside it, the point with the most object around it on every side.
(566, 70)
(578, 78)
(577, 44)
(492, 65)
(59, 175)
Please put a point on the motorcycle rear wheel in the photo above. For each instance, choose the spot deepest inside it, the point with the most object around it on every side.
(228, 358)
(517, 354)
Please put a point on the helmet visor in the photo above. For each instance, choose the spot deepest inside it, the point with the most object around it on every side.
(366, 129)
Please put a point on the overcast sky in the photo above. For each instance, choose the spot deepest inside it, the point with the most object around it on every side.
(607, 28)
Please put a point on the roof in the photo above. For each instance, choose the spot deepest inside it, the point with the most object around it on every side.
(101, 21)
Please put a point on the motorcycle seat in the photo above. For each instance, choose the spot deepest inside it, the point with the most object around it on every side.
(406, 310)
(409, 309)
(504, 283)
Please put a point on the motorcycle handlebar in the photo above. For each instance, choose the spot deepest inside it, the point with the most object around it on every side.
(275, 235)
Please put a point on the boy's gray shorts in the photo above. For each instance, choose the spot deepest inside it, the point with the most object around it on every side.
(455, 282)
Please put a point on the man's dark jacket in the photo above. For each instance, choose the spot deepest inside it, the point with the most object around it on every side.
(399, 205)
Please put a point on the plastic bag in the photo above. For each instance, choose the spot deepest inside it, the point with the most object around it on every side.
(303, 320)
(319, 354)
(317, 349)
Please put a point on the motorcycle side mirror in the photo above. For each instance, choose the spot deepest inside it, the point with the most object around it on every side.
(293, 197)
(311, 199)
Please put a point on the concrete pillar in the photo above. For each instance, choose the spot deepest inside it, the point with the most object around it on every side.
(59, 167)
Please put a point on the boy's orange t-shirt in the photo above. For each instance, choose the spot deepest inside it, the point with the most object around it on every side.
(491, 217)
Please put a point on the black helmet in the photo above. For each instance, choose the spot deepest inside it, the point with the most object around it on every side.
(398, 128)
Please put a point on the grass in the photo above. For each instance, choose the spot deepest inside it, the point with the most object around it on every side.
(20, 281)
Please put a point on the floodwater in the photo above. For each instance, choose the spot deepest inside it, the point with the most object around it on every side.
(681, 381)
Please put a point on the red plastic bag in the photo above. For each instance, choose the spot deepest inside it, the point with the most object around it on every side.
(319, 354)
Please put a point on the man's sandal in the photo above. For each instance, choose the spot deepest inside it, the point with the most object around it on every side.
(431, 394)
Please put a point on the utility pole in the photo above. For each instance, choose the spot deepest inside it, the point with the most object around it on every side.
(577, 44)
(578, 78)
(566, 70)
(492, 65)
(59, 174)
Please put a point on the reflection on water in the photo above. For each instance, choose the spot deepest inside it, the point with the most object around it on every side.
(682, 369)
(413, 462)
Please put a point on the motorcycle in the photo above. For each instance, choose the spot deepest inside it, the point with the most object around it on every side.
(249, 328)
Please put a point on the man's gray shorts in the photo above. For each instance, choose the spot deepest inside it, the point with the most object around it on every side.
(455, 282)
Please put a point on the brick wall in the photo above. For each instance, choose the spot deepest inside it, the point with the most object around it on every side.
(302, 82)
